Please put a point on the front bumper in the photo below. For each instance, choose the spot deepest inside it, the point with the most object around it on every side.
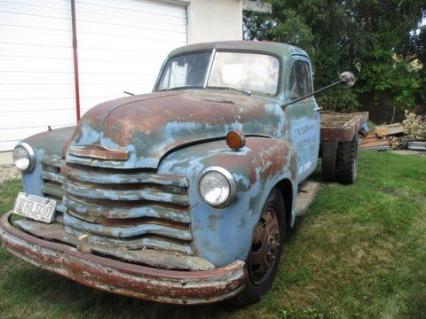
(168, 286)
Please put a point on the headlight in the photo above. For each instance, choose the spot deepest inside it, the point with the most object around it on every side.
(217, 186)
(24, 157)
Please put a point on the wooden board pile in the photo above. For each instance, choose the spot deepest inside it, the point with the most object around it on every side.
(379, 138)
(384, 137)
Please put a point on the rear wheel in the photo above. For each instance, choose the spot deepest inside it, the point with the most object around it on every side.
(265, 252)
(347, 161)
(328, 161)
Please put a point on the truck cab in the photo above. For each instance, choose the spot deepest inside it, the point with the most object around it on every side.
(182, 195)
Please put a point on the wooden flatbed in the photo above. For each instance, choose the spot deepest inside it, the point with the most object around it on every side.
(341, 127)
(339, 145)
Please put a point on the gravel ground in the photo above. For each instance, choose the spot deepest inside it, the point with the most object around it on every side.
(8, 172)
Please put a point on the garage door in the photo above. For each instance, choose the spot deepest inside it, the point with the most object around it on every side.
(36, 69)
(121, 45)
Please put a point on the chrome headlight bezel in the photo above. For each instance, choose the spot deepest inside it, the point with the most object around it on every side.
(31, 157)
(231, 184)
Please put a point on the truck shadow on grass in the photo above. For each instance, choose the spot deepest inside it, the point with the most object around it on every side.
(35, 293)
(32, 290)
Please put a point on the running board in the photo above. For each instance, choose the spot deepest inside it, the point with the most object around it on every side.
(305, 196)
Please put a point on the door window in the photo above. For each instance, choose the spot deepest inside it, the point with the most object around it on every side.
(300, 80)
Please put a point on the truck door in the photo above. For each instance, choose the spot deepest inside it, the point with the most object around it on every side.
(303, 118)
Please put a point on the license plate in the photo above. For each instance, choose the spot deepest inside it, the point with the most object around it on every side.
(35, 207)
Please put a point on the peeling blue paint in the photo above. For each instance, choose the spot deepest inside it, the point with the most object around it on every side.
(170, 137)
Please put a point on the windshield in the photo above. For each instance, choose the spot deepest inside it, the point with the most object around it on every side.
(257, 73)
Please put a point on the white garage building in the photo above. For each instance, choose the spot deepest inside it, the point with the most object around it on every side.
(58, 58)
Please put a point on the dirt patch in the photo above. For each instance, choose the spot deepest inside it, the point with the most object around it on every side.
(414, 196)
(408, 152)
(8, 172)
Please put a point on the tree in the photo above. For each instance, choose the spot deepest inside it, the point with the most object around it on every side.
(365, 36)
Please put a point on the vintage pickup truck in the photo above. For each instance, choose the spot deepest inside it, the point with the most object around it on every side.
(183, 195)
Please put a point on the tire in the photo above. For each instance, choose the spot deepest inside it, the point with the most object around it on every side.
(256, 284)
(328, 161)
(347, 161)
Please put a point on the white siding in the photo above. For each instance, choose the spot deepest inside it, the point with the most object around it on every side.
(121, 45)
(217, 20)
(36, 70)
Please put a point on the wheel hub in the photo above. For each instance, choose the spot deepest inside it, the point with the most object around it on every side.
(265, 245)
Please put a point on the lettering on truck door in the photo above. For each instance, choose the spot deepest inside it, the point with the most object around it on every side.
(303, 117)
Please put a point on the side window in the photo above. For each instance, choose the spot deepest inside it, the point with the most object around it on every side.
(300, 80)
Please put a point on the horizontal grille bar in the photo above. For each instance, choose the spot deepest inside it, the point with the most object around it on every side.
(60, 207)
(52, 189)
(146, 193)
(128, 232)
(150, 242)
(53, 177)
(52, 160)
(104, 176)
(132, 210)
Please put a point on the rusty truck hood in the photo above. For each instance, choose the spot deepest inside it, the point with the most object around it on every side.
(146, 127)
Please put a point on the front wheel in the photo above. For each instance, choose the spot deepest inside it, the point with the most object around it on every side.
(265, 251)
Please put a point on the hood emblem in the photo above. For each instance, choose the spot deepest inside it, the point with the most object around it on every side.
(99, 152)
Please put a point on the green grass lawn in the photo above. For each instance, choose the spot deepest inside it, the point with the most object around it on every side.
(360, 252)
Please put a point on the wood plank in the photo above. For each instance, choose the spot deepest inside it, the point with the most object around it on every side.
(391, 129)
(375, 145)
(306, 196)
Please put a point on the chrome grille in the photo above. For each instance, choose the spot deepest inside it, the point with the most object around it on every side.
(133, 209)
(53, 180)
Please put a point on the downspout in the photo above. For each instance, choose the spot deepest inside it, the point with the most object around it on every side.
(75, 56)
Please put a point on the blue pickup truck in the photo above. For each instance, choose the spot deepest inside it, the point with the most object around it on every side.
(186, 194)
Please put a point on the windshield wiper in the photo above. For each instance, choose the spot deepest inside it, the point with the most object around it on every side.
(245, 92)
(184, 87)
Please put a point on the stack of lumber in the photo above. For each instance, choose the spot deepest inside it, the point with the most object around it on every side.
(390, 136)
(390, 130)
(379, 138)
(373, 142)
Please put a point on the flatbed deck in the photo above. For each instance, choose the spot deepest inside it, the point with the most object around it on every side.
(341, 127)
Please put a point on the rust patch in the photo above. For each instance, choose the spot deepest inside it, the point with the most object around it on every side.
(266, 154)
(145, 115)
(169, 286)
(99, 152)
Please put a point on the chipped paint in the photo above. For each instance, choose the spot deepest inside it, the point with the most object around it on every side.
(126, 181)
(169, 286)
(170, 122)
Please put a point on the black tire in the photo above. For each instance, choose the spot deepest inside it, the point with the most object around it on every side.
(256, 287)
(328, 161)
(347, 161)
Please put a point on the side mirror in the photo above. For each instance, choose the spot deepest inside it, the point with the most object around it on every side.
(347, 78)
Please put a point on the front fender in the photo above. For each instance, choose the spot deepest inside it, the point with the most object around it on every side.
(223, 235)
(50, 142)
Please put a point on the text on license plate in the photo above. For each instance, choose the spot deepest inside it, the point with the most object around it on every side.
(35, 207)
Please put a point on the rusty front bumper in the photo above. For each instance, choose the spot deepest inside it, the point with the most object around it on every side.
(169, 286)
